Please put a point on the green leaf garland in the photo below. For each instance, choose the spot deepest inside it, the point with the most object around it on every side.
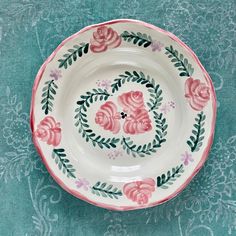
(105, 190)
(73, 54)
(48, 92)
(181, 63)
(137, 38)
(140, 78)
(195, 140)
(147, 149)
(167, 179)
(82, 122)
(63, 163)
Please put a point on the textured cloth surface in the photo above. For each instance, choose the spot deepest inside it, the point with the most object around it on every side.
(31, 203)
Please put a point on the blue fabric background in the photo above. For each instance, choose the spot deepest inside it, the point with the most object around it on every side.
(31, 203)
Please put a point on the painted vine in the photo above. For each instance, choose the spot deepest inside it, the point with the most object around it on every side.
(195, 140)
(63, 163)
(165, 180)
(82, 122)
(48, 92)
(105, 190)
(73, 54)
(147, 149)
(179, 61)
(137, 38)
(140, 78)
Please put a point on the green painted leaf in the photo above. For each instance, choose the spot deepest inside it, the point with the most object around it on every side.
(183, 74)
(167, 179)
(181, 63)
(101, 189)
(197, 136)
(62, 163)
(68, 58)
(137, 38)
(47, 96)
(150, 147)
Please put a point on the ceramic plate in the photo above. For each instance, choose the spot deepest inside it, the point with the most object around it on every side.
(123, 114)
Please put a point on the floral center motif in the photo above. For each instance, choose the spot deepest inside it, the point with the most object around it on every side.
(123, 115)
(128, 113)
(134, 113)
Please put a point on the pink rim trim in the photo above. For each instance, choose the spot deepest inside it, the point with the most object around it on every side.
(205, 153)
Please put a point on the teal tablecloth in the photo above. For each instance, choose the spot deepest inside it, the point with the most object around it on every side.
(31, 203)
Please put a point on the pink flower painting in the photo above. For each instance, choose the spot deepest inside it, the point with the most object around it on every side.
(108, 117)
(137, 119)
(157, 46)
(137, 122)
(49, 131)
(197, 93)
(135, 115)
(104, 38)
(131, 101)
(186, 158)
(140, 191)
(56, 74)
(82, 183)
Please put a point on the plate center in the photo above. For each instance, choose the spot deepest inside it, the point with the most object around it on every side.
(121, 114)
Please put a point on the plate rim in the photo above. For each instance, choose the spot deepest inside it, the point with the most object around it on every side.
(203, 157)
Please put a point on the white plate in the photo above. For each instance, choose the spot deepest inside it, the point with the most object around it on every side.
(123, 114)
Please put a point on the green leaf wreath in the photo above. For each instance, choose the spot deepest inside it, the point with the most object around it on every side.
(82, 122)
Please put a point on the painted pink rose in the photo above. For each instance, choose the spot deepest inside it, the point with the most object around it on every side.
(108, 117)
(131, 101)
(197, 93)
(48, 130)
(137, 122)
(104, 38)
(140, 191)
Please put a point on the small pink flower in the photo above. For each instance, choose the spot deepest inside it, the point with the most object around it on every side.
(108, 117)
(56, 74)
(106, 84)
(197, 93)
(156, 46)
(48, 130)
(131, 101)
(137, 122)
(82, 183)
(165, 108)
(139, 191)
(186, 158)
(104, 38)
(115, 153)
